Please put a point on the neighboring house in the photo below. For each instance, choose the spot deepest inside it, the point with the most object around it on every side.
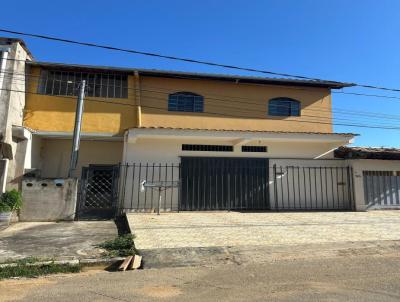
(13, 137)
(233, 142)
(376, 175)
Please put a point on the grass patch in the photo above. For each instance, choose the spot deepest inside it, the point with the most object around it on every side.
(25, 268)
(121, 246)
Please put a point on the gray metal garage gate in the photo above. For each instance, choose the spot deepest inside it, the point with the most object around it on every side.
(215, 183)
(382, 189)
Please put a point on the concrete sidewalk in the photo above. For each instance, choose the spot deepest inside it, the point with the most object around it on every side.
(60, 240)
(233, 229)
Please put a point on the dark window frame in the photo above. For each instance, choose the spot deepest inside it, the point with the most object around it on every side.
(98, 84)
(184, 101)
(284, 106)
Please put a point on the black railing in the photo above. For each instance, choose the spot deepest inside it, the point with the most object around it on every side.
(236, 187)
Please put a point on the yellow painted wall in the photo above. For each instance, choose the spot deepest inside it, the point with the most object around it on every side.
(226, 105)
(234, 106)
(56, 113)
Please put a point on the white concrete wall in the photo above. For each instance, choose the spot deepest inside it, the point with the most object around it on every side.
(48, 199)
(52, 156)
(360, 165)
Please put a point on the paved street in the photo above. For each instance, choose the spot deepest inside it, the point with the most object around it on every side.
(219, 229)
(347, 278)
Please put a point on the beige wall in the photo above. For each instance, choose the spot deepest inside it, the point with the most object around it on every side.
(55, 155)
(234, 106)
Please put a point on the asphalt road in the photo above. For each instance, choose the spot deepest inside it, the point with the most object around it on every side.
(346, 278)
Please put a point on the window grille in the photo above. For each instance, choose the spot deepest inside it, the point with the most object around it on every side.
(215, 148)
(284, 107)
(66, 83)
(186, 102)
(254, 149)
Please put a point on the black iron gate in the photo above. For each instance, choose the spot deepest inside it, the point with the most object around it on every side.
(98, 192)
(215, 183)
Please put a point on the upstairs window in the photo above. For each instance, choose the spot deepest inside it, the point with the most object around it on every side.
(284, 107)
(185, 102)
(66, 83)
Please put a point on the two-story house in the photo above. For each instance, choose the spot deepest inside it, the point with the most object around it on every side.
(214, 128)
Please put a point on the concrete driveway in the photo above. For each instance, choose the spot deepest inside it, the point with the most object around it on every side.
(58, 240)
(231, 229)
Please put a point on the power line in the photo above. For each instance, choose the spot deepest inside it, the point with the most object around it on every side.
(227, 115)
(189, 60)
(324, 109)
(155, 54)
(287, 87)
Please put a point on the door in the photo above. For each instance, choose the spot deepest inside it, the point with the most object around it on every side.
(98, 192)
(215, 183)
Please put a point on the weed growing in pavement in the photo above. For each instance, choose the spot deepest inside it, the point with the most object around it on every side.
(120, 246)
(27, 268)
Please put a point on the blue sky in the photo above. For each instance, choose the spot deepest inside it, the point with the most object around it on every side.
(351, 41)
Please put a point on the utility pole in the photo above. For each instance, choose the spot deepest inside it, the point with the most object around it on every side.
(77, 129)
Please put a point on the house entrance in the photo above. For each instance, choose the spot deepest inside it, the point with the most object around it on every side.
(98, 192)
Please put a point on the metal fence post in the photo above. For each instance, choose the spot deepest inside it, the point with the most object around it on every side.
(275, 188)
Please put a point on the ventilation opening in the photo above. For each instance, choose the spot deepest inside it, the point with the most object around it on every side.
(44, 184)
(212, 148)
(254, 149)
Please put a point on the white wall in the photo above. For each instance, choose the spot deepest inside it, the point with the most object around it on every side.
(169, 150)
(12, 103)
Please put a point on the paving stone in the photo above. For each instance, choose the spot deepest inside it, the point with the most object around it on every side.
(215, 229)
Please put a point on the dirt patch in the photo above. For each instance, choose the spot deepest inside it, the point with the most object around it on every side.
(14, 290)
(164, 292)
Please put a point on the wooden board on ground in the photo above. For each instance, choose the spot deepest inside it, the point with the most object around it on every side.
(136, 262)
(124, 265)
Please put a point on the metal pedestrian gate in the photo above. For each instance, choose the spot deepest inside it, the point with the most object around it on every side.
(215, 183)
(98, 192)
